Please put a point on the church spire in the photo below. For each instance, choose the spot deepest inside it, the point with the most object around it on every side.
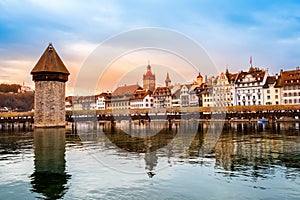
(149, 79)
(168, 80)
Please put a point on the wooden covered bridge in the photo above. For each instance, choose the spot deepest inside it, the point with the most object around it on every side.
(271, 112)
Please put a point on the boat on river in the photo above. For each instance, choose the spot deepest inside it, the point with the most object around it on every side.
(262, 121)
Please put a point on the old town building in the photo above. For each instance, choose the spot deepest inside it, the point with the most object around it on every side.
(223, 91)
(141, 98)
(290, 86)
(162, 97)
(120, 99)
(249, 87)
(102, 100)
(271, 91)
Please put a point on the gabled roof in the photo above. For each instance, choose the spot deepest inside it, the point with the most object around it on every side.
(188, 86)
(231, 77)
(105, 95)
(270, 80)
(255, 73)
(140, 94)
(291, 77)
(125, 90)
(162, 91)
(50, 62)
(176, 94)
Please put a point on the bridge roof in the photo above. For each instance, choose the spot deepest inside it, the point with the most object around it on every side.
(50, 62)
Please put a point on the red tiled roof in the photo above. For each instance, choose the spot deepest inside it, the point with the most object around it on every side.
(256, 73)
(232, 77)
(105, 95)
(140, 94)
(291, 77)
(125, 90)
(162, 91)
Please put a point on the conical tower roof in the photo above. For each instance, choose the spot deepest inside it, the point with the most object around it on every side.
(168, 78)
(50, 62)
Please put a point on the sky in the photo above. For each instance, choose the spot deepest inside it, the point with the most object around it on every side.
(228, 31)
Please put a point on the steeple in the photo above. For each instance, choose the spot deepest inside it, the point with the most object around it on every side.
(199, 79)
(149, 79)
(168, 80)
(226, 71)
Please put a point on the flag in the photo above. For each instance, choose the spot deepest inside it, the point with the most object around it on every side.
(251, 60)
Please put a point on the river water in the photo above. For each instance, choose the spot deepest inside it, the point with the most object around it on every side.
(184, 160)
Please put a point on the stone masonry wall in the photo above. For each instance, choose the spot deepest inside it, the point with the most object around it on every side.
(49, 104)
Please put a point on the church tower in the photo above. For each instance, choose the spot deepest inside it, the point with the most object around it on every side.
(199, 79)
(50, 76)
(168, 80)
(149, 80)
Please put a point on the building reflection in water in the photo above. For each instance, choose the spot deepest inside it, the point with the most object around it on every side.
(143, 142)
(49, 177)
(256, 152)
(247, 149)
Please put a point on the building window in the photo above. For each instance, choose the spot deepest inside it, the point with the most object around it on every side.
(268, 91)
(268, 97)
(276, 96)
(276, 91)
(277, 102)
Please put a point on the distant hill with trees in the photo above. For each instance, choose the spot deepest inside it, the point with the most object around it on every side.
(13, 99)
(6, 88)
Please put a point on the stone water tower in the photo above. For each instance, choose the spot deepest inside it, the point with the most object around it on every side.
(50, 76)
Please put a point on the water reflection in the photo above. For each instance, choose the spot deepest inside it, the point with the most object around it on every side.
(257, 151)
(50, 177)
(142, 142)
(243, 149)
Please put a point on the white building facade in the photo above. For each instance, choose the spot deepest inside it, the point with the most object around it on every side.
(249, 87)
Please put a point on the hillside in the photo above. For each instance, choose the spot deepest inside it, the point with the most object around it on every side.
(13, 99)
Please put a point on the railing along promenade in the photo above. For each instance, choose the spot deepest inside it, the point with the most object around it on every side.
(272, 112)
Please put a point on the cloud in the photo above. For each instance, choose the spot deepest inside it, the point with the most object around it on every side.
(229, 31)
